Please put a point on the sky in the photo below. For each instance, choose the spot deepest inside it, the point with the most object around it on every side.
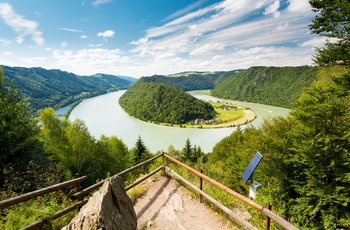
(145, 37)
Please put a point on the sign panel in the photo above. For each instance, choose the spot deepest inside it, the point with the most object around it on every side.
(251, 167)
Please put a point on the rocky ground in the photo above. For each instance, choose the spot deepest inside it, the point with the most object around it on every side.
(168, 206)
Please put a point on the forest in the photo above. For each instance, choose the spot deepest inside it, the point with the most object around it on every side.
(55, 88)
(305, 171)
(161, 103)
(277, 86)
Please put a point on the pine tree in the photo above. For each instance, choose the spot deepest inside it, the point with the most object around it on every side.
(140, 151)
(187, 151)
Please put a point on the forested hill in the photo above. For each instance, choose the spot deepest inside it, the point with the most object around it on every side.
(187, 81)
(277, 86)
(56, 88)
(159, 102)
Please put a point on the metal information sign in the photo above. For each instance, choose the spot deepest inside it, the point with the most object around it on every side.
(251, 167)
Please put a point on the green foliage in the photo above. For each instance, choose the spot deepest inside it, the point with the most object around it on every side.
(322, 151)
(332, 21)
(191, 154)
(17, 127)
(140, 151)
(56, 88)
(112, 154)
(41, 208)
(71, 144)
(158, 102)
(305, 171)
(277, 86)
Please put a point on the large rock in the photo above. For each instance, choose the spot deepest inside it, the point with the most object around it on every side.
(109, 208)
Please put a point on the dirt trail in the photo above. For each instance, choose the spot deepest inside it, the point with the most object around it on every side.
(168, 206)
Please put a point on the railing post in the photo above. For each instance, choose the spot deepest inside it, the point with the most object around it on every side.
(201, 186)
(77, 175)
(164, 164)
(269, 207)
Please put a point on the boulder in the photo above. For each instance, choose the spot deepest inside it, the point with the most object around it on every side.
(108, 208)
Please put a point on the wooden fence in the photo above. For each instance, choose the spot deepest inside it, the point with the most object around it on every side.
(81, 193)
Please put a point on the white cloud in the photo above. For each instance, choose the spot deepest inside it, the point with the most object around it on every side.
(21, 26)
(100, 2)
(89, 61)
(299, 6)
(140, 41)
(208, 49)
(314, 42)
(33, 60)
(95, 45)
(192, 27)
(273, 9)
(64, 44)
(8, 53)
(83, 36)
(5, 42)
(318, 42)
(71, 30)
(185, 10)
(106, 34)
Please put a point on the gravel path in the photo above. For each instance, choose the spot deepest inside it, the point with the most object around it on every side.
(168, 206)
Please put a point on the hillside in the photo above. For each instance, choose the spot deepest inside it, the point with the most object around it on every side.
(277, 86)
(187, 81)
(158, 102)
(56, 88)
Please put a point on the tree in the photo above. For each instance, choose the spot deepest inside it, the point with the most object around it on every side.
(81, 146)
(140, 151)
(332, 21)
(67, 142)
(112, 156)
(321, 146)
(187, 151)
(18, 129)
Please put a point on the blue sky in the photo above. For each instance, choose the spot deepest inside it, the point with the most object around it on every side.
(145, 37)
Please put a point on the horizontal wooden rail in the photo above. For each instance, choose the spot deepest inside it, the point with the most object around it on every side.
(87, 190)
(143, 178)
(40, 223)
(282, 222)
(40, 192)
(236, 217)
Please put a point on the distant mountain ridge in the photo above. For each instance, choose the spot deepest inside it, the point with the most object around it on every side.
(56, 88)
(276, 86)
(187, 81)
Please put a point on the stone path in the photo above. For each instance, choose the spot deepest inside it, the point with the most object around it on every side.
(168, 206)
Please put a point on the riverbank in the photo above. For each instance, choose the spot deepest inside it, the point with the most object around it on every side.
(228, 115)
(248, 117)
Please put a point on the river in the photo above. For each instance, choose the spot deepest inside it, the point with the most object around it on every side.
(103, 115)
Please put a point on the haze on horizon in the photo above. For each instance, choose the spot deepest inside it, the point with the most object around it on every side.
(142, 38)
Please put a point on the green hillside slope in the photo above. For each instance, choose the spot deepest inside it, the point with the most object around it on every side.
(56, 88)
(158, 102)
(277, 86)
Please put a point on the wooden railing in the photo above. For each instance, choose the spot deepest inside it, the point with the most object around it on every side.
(80, 194)
(279, 220)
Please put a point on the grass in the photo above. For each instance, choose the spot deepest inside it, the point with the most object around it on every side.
(226, 113)
(231, 113)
